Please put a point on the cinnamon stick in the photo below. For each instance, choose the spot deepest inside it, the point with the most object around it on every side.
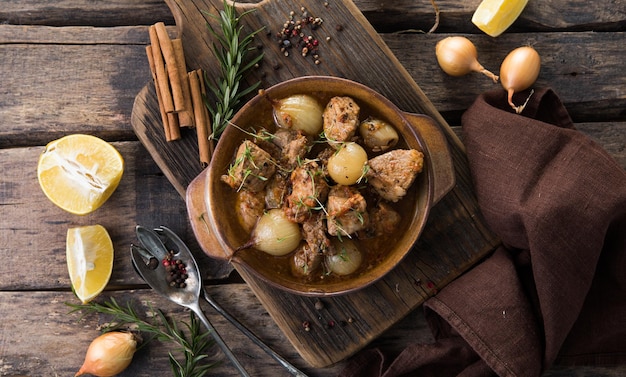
(161, 75)
(172, 67)
(202, 128)
(185, 116)
(174, 128)
(164, 118)
(205, 110)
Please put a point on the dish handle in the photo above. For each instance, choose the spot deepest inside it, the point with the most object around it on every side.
(199, 219)
(443, 175)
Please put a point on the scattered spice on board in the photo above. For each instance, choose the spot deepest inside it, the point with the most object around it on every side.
(297, 33)
(306, 325)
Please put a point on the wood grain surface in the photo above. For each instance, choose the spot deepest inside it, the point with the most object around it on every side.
(77, 65)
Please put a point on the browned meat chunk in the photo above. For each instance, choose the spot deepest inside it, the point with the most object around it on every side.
(264, 139)
(341, 119)
(323, 156)
(314, 233)
(308, 257)
(275, 191)
(392, 173)
(294, 145)
(252, 168)
(382, 220)
(308, 189)
(305, 261)
(250, 207)
(347, 211)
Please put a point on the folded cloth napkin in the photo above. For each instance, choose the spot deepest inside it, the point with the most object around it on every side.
(555, 291)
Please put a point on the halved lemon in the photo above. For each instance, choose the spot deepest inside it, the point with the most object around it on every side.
(79, 172)
(89, 253)
(495, 16)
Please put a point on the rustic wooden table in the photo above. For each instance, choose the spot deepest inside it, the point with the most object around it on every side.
(76, 66)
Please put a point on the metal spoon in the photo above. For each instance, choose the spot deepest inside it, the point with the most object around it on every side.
(170, 241)
(189, 296)
(179, 245)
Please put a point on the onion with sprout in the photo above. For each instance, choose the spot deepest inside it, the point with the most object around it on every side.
(457, 56)
(518, 72)
(109, 354)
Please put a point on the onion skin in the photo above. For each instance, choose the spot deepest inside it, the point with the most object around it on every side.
(299, 112)
(378, 135)
(457, 56)
(346, 165)
(275, 234)
(109, 354)
(347, 259)
(519, 71)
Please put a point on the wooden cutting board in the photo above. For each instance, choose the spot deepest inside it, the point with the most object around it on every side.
(455, 237)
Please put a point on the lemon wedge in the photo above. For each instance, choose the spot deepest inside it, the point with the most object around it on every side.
(89, 253)
(495, 16)
(79, 172)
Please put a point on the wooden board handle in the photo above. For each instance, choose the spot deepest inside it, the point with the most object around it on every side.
(443, 175)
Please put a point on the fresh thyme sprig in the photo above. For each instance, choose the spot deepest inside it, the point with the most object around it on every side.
(231, 51)
(194, 343)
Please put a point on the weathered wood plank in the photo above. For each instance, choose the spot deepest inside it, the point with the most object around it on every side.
(96, 92)
(84, 12)
(75, 35)
(455, 16)
(385, 16)
(55, 89)
(53, 342)
(570, 61)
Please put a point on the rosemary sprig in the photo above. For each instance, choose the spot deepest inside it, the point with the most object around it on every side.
(231, 50)
(194, 343)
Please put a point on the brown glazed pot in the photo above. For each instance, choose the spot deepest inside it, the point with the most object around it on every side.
(210, 202)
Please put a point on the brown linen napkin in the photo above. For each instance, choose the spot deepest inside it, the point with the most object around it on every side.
(555, 291)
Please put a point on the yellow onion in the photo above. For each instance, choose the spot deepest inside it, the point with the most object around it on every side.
(519, 71)
(275, 234)
(347, 257)
(299, 112)
(109, 354)
(346, 165)
(377, 134)
(457, 56)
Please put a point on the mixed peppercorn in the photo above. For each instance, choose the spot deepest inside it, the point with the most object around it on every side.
(176, 271)
(329, 324)
(294, 34)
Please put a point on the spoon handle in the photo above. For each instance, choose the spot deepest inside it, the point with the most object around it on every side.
(292, 369)
(218, 339)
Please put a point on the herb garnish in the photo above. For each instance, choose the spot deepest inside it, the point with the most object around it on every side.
(231, 51)
(193, 343)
